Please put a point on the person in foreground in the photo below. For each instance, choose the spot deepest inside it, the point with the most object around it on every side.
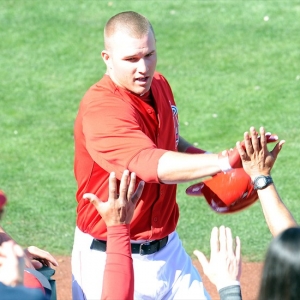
(280, 274)
(257, 162)
(224, 267)
(117, 212)
(129, 120)
(12, 264)
(19, 268)
(281, 271)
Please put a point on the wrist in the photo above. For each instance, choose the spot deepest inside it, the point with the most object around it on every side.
(222, 285)
(261, 182)
(253, 176)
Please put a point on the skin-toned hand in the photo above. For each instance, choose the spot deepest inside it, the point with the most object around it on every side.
(39, 258)
(12, 264)
(224, 267)
(118, 209)
(256, 158)
(34, 257)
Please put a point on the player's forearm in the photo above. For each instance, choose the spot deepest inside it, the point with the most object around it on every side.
(118, 280)
(277, 216)
(174, 167)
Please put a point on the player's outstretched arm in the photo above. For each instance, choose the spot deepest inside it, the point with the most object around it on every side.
(177, 167)
(117, 213)
(257, 160)
(224, 267)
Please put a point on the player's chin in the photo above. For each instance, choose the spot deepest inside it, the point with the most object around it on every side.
(141, 90)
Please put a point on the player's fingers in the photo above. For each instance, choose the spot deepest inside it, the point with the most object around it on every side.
(263, 138)
(202, 259)
(255, 143)
(248, 143)
(112, 186)
(214, 241)
(91, 197)
(277, 149)
(238, 249)
(229, 240)
(124, 185)
(131, 186)
(241, 150)
(138, 193)
(222, 239)
(37, 264)
(42, 255)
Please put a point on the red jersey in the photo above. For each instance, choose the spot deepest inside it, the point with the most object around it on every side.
(115, 130)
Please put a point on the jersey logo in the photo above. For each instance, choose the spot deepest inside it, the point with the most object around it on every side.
(176, 124)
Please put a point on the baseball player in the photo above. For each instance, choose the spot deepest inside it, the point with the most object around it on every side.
(129, 120)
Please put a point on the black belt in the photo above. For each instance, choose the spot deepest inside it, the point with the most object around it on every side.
(143, 248)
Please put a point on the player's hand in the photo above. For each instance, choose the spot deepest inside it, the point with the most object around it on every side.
(39, 258)
(224, 267)
(12, 263)
(256, 158)
(118, 209)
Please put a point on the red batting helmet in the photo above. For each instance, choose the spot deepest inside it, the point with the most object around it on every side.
(226, 192)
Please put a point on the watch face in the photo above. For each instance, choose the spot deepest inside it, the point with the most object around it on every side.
(261, 182)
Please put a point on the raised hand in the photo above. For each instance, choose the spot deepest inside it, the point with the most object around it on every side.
(224, 267)
(120, 207)
(39, 257)
(256, 158)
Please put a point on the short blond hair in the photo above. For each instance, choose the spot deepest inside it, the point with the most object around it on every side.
(130, 22)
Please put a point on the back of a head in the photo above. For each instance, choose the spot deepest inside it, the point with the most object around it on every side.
(129, 22)
(281, 272)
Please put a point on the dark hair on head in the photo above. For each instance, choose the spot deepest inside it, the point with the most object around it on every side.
(131, 22)
(281, 271)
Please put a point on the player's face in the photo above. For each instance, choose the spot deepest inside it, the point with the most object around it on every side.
(131, 62)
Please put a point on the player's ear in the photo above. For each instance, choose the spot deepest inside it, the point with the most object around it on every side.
(106, 57)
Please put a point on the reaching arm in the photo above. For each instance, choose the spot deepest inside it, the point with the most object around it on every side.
(174, 167)
(117, 212)
(277, 215)
(181, 166)
(258, 160)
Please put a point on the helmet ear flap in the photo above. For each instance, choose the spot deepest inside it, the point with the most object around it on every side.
(226, 192)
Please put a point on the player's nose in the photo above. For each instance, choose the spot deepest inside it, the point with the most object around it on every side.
(142, 66)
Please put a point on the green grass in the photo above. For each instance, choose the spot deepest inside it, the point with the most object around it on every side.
(229, 69)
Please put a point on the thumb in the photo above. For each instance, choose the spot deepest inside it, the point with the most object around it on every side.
(277, 148)
(202, 259)
(89, 196)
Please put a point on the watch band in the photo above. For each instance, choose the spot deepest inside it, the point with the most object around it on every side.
(262, 181)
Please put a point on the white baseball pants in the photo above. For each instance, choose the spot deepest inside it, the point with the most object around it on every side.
(166, 274)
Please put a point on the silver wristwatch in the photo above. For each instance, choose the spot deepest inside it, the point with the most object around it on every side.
(262, 181)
